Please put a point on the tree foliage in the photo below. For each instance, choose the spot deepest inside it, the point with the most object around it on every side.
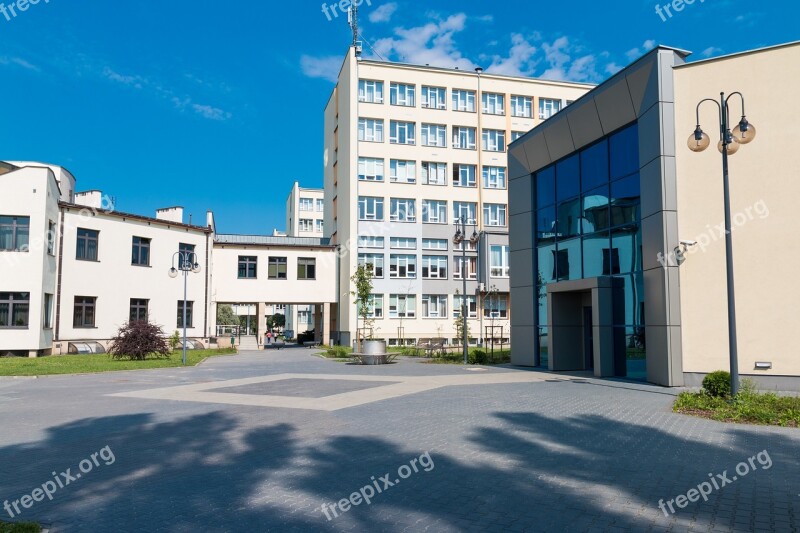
(276, 321)
(139, 340)
(362, 279)
(226, 316)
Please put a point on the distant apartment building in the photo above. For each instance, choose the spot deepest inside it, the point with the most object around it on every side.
(410, 150)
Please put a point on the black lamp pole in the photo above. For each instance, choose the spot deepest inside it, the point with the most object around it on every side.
(187, 262)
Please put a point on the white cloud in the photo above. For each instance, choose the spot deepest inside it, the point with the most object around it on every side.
(520, 60)
(18, 61)
(211, 113)
(569, 62)
(383, 13)
(710, 51)
(635, 53)
(321, 67)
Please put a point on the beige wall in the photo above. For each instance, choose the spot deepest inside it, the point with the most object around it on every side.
(764, 176)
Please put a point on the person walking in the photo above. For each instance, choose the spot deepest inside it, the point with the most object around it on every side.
(269, 337)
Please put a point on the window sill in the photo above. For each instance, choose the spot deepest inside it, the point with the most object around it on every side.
(466, 149)
(18, 328)
(141, 266)
(87, 260)
(254, 278)
(84, 327)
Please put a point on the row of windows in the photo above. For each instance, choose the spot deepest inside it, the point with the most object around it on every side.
(371, 208)
(405, 266)
(15, 234)
(433, 135)
(403, 94)
(308, 204)
(308, 225)
(434, 306)
(407, 171)
(277, 268)
(410, 243)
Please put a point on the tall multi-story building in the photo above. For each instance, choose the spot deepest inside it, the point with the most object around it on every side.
(409, 150)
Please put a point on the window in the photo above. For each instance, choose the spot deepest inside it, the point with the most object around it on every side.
(47, 312)
(464, 175)
(368, 241)
(434, 212)
(522, 106)
(189, 314)
(306, 204)
(15, 233)
(464, 137)
(374, 260)
(516, 135)
(306, 268)
(466, 245)
(472, 306)
(370, 130)
(548, 107)
(88, 240)
(493, 104)
(320, 205)
(370, 91)
(277, 268)
(494, 214)
(304, 317)
(494, 177)
(494, 140)
(51, 238)
(140, 255)
(434, 173)
(402, 94)
(370, 208)
(402, 306)
(434, 306)
(495, 306)
(370, 169)
(434, 97)
(403, 243)
(403, 210)
(402, 132)
(466, 211)
(184, 248)
(248, 267)
(611, 263)
(463, 100)
(375, 306)
(138, 310)
(84, 312)
(472, 267)
(499, 261)
(434, 244)
(14, 309)
(434, 267)
(319, 226)
(402, 266)
(306, 224)
(433, 135)
(401, 171)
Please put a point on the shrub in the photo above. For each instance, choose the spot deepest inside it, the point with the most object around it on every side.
(718, 384)
(139, 340)
(174, 341)
(338, 352)
(478, 357)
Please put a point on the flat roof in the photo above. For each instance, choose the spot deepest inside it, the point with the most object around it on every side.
(132, 216)
(738, 54)
(272, 240)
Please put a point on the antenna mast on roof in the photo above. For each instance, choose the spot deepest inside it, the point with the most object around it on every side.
(352, 19)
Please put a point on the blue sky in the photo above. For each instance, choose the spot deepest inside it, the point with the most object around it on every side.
(219, 105)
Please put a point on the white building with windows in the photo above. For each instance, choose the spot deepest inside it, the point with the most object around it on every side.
(408, 151)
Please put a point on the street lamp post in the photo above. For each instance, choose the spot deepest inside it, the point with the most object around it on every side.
(187, 262)
(461, 232)
(729, 144)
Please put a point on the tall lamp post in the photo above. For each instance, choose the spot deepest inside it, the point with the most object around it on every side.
(187, 262)
(458, 239)
(729, 144)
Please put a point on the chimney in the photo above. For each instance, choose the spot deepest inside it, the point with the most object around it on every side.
(93, 199)
(170, 214)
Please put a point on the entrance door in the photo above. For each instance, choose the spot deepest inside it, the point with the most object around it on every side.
(588, 339)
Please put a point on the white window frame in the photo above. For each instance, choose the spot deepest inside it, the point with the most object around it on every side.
(403, 243)
(370, 130)
(305, 204)
(501, 311)
(407, 302)
(377, 262)
(433, 135)
(320, 203)
(501, 270)
(371, 241)
(465, 209)
(493, 103)
(370, 91)
(401, 129)
(370, 208)
(435, 305)
(495, 215)
(493, 140)
(440, 244)
(548, 107)
(521, 106)
(464, 175)
(472, 267)
(305, 225)
(494, 177)
(439, 173)
(403, 210)
(402, 171)
(516, 135)
(434, 264)
(400, 261)
(464, 137)
(434, 97)
(472, 306)
(402, 94)
(319, 226)
(374, 306)
(463, 100)
(371, 168)
(434, 211)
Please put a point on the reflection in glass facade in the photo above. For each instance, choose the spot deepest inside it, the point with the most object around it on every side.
(588, 224)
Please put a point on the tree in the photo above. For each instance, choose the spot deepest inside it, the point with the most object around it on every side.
(459, 322)
(139, 340)
(276, 321)
(362, 279)
(226, 316)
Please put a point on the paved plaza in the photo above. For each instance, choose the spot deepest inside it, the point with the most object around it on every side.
(275, 441)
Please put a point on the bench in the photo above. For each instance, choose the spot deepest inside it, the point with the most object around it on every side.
(430, 346)
(274, 345)
(312, 344)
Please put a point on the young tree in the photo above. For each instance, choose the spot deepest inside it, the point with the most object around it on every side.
(362, 279)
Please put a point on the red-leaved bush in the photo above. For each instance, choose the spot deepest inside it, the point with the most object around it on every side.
(139, 340)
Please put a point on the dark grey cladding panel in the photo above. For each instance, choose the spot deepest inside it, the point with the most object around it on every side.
(520, 197)
(643, 86)
(614, 105)
(558, 137)
(536, 150)
(517, 163)
(584, 122)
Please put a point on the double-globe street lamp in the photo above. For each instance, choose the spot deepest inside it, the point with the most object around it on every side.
(458, 239)
(729, 144)
(187, 262)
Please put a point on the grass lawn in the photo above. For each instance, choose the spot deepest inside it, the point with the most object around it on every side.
(19, 527)
(749, 407)
(93, 363)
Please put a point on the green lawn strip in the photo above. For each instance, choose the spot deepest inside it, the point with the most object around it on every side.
(19, 527)
(94, 363)
(748, 408)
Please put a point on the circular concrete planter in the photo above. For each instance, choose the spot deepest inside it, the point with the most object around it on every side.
(377, 359)
(373, 347)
